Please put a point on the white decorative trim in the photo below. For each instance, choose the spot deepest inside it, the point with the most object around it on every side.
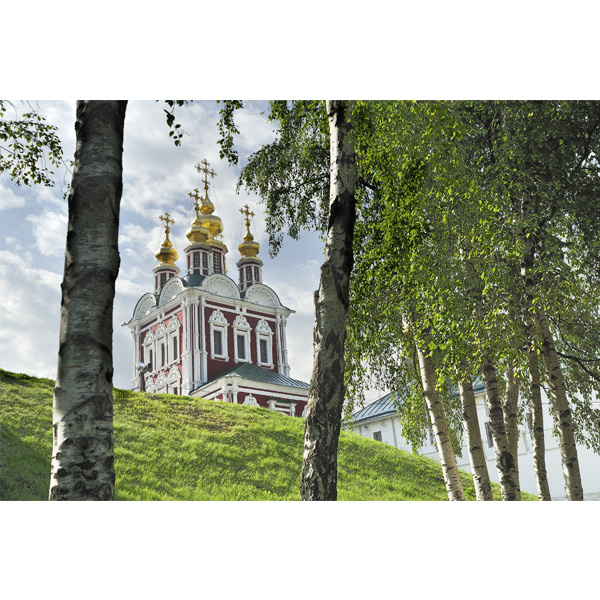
(172, 288)
(217, 318)
(241, 327)
(146, 304)
(221, 285)
(218, 323)
(241, 323)
(174, 324)
(264, 333)
(250, 401)
(263, 295)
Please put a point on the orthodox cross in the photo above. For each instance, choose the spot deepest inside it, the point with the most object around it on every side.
(206, 171)
(246, 211)
(196, 197)
(167, 220)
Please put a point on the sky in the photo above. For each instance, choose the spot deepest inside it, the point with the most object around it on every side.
(157, 177)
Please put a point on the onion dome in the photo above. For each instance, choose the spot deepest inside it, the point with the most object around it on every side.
(197, 231)
(248, 248)
(211, 222)
(167, 255)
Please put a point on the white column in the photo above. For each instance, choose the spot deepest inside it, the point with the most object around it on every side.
(284, 351)
(186, 375)
(196, 343)
(203, 348)
(135, 334)
(278, 341)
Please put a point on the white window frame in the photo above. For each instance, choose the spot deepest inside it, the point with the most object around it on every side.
(217, 322)
(173, 335)
(242, 328)
(160, 339)
(149, 353)
(264, 332)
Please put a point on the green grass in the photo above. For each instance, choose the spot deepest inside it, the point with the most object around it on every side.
(181, 448)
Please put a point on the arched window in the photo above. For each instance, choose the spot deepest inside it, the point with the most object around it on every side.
(218, 335)
(241, 334)
(264, 344)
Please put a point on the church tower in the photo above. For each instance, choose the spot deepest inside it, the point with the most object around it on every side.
(166, 256)
(206, 252)
(249, 266)
(205, 334)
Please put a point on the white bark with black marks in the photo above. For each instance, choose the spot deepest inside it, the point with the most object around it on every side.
(561, 409)
(82, 455)
(440, 427)
(510, 408)
(537, 426)
(327, 390)
(481, 478)
(504, 459)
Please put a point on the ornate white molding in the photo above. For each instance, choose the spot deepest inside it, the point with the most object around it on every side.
(146, 304)
(241, 323)
(263, 295)
(217, 318)
(221, 285)
(170, 290)
(263, 328)
(250, 401)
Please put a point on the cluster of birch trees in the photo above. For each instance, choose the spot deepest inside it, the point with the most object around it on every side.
(477, 258)
(474, 256)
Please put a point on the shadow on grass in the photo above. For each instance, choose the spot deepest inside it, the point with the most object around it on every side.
(24, 469)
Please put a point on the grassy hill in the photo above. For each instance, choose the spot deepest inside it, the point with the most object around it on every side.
(181, 448)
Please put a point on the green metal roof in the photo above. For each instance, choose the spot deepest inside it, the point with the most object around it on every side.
(256, 373)
(193, 280)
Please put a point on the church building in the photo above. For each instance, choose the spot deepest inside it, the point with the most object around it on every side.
(205, 335)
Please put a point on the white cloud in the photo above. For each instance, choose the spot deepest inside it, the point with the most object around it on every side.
(30, 308)
(8, 198)
(50, 232)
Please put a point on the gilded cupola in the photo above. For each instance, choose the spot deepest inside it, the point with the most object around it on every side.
(248, 248)
(167, 255)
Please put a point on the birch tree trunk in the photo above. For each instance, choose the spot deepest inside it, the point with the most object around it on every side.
(440, 427)
(537, 425)
(554, 376)
(504, 459)
(510, 412)
(562, 410)
(326, 393)
(82, 455)
(481, 478)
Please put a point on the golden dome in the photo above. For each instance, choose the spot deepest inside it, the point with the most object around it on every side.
(167, 254)
(248, 248)
(206, 208)
(197, 231)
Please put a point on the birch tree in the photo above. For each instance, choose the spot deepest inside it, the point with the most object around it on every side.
(327, 392)
(307, 178)
(82, 455)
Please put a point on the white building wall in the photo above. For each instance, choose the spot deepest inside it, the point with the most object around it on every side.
(391, 433)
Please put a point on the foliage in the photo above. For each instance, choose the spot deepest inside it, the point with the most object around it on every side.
(29, 146)
(181, 448)
(291, 174)
(175, 130)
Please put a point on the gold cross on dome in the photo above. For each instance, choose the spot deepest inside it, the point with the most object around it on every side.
(195, 196)
(204, 169)
(246, 211)
(167, 220)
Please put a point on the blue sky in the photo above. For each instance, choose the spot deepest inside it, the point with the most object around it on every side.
(157, 177)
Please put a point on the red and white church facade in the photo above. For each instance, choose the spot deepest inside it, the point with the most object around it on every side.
(205, 335)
